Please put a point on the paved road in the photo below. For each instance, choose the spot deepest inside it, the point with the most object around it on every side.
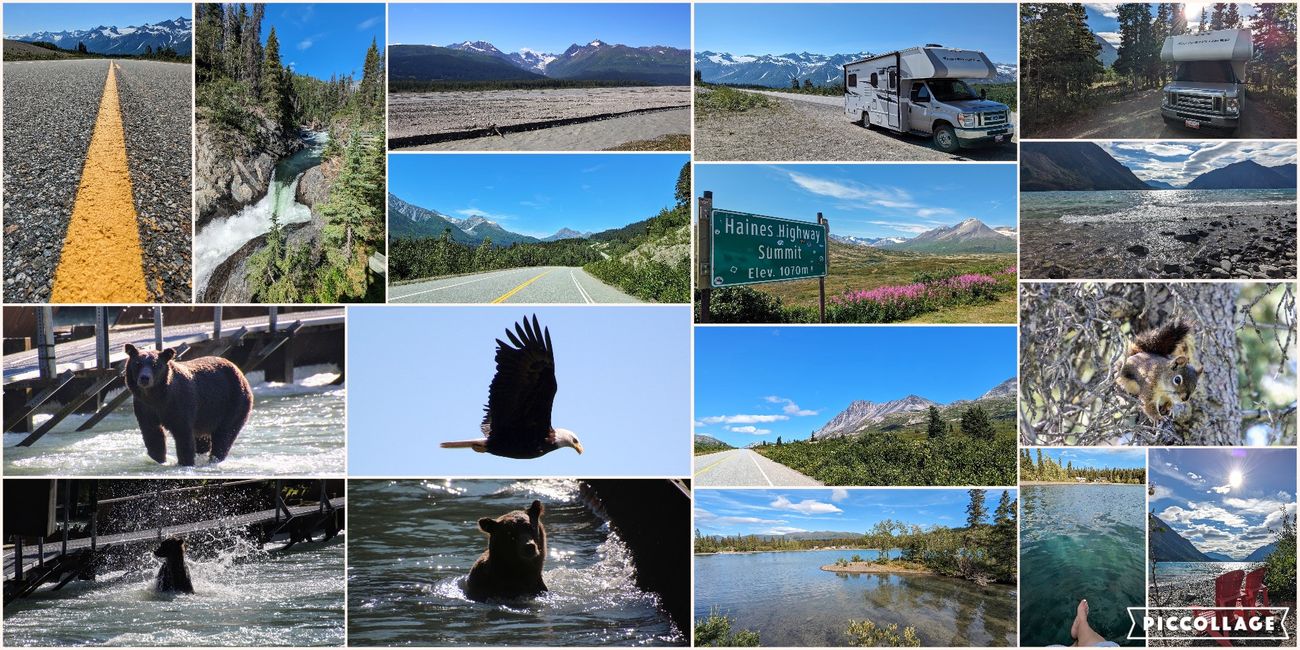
(535, 284)
(745, 468)
(97, 181)
(810, 127)
(1138, 116)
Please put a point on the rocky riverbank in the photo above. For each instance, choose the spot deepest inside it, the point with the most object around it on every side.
(232, 169)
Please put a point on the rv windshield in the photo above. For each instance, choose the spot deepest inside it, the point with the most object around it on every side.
(950, 90)
(1205, 72)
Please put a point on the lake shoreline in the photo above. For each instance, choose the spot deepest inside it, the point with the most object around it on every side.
(872, 567)
(1075, 483)
(792, 550)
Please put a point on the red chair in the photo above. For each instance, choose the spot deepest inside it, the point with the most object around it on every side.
(1227, 593)
(1255, 590)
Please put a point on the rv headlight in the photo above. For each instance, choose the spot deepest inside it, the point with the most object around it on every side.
(1232, 105)
(966, 120)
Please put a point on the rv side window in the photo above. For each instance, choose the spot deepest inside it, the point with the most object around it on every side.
(853, 79)
(875, 81)
(920, 93)
(893, 79)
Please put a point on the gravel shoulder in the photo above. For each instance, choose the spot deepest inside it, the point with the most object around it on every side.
(1138, 116)
(798, 129)
(49, 115)
(157, 102)
(589, 136)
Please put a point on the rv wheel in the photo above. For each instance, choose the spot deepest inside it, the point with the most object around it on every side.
(945, 138)
(863, 121)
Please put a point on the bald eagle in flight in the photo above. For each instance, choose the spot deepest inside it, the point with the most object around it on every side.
(517, 418)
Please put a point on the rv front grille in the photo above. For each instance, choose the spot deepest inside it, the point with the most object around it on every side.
(993, 118)
(1197, 102)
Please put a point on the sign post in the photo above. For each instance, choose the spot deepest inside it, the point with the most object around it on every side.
(821, 281)
(704, 246)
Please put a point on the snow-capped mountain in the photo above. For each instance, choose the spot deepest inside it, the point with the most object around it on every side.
(530, 60)
(1007, 231)
(567, 233)
(595, 60)
(855, 240)
(135, 40)
(778, 69)
(861, 413)
(969, 236)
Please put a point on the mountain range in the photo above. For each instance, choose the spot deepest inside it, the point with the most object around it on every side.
(863, 415)
(969, 236)
(704, 439)
(1108, 53)
(1169, 546)
(776, 70)
(1084, 166)
(409, 221)
(176, 34)
(594, 61)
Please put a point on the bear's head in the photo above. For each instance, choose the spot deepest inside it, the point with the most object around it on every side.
(148, 369)
(518, 536)
(171, 548)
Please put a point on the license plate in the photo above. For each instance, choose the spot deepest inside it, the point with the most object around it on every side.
(999, 132)
(999, 138)
(1192, 124)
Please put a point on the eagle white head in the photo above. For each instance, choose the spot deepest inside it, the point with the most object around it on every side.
(566, 438)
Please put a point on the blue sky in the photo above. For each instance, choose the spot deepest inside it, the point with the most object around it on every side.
(1095, 458)
(23, 18)
(1223, 500)
(1102, 16)
(757, 383)
(541, 27)
(537, 194)
(1181, 161)
(325, 39)
(775, 512)
(850, 28)
(867, 200)
(419, 376)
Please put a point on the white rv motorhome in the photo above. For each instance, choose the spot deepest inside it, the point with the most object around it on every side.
(1209, 86)
(921, 90)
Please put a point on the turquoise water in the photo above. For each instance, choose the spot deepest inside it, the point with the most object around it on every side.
(790, 601)
(1135, 206)
(1081, 541)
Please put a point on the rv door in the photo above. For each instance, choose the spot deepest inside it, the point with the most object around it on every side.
(894, 111)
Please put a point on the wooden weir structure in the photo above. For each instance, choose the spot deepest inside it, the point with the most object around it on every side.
(57, 558)
(79, 374)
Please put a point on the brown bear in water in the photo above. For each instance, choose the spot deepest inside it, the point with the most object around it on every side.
(173, 575)
(512, 565)
(203, 403)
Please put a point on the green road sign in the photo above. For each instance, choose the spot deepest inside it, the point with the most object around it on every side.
(751, 248)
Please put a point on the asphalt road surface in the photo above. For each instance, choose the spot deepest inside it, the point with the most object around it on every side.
(1138, 116)
(534, 284)
(97, 180)
(811, 127)
(746, 468)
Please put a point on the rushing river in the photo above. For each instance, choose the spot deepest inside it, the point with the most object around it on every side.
(295, 429)
(1081, 541)
(790, 601)
(222, 237)
(244, 596)
(413, 542)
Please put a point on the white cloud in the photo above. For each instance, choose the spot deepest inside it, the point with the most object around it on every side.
(1221, 489)
(1110, 37)
(839, 494)
(743, 419)
(789, 407)
(749, 429)
(913, 228)
(806, 507)
(370, 22)
(784, 530)
(1107, 9)
(890, 197)
(705, 516)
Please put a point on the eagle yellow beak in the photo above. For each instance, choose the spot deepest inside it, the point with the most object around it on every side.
(577, 446)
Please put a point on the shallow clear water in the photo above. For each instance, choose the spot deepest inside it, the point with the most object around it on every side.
(1081, 541)
(1202, 574)
(790, 601)
(220, 238)
(413, 542)
(1134, 206)
(243, 597)
(295, 429)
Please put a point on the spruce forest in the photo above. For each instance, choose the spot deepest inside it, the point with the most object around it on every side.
(1043, 468)
(247, 93)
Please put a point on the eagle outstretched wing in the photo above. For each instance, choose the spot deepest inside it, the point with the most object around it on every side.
(518, 412)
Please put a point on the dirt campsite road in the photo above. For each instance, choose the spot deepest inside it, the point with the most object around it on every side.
(1138, 116)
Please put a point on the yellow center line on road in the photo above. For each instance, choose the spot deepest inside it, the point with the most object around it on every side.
(506, 296)
(102, 259)
(711, 465)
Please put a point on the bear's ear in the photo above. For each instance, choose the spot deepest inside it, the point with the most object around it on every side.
(167, 355)
(535, 511)
(131, 351)
(487, 525)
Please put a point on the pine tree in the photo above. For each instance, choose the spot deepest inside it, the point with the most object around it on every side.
(354, 217)
(1217, 15)
(1231, 17)
(209, 24)
(81, 47)
(935, 427)
(975, 423)
(1178, 20)
(975, 510)
(371, 92)
(272, 82)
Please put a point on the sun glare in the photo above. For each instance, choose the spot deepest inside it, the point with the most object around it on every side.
(1234, 478)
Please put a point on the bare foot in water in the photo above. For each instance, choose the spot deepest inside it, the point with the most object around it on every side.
(1080, 631)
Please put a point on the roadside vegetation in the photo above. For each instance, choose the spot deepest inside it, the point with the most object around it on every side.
(887, 458)
(1280, 576)
(1064, 77)
(721, 99)
(715, 632)
(710, 447)
(1005, 93)
(418, 86)
(41, 50)
(648, 259)
(877, 286)
(1044, 469)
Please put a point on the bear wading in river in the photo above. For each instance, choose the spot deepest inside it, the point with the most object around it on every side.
(173, 575)
(203, 403)
(512, 565)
